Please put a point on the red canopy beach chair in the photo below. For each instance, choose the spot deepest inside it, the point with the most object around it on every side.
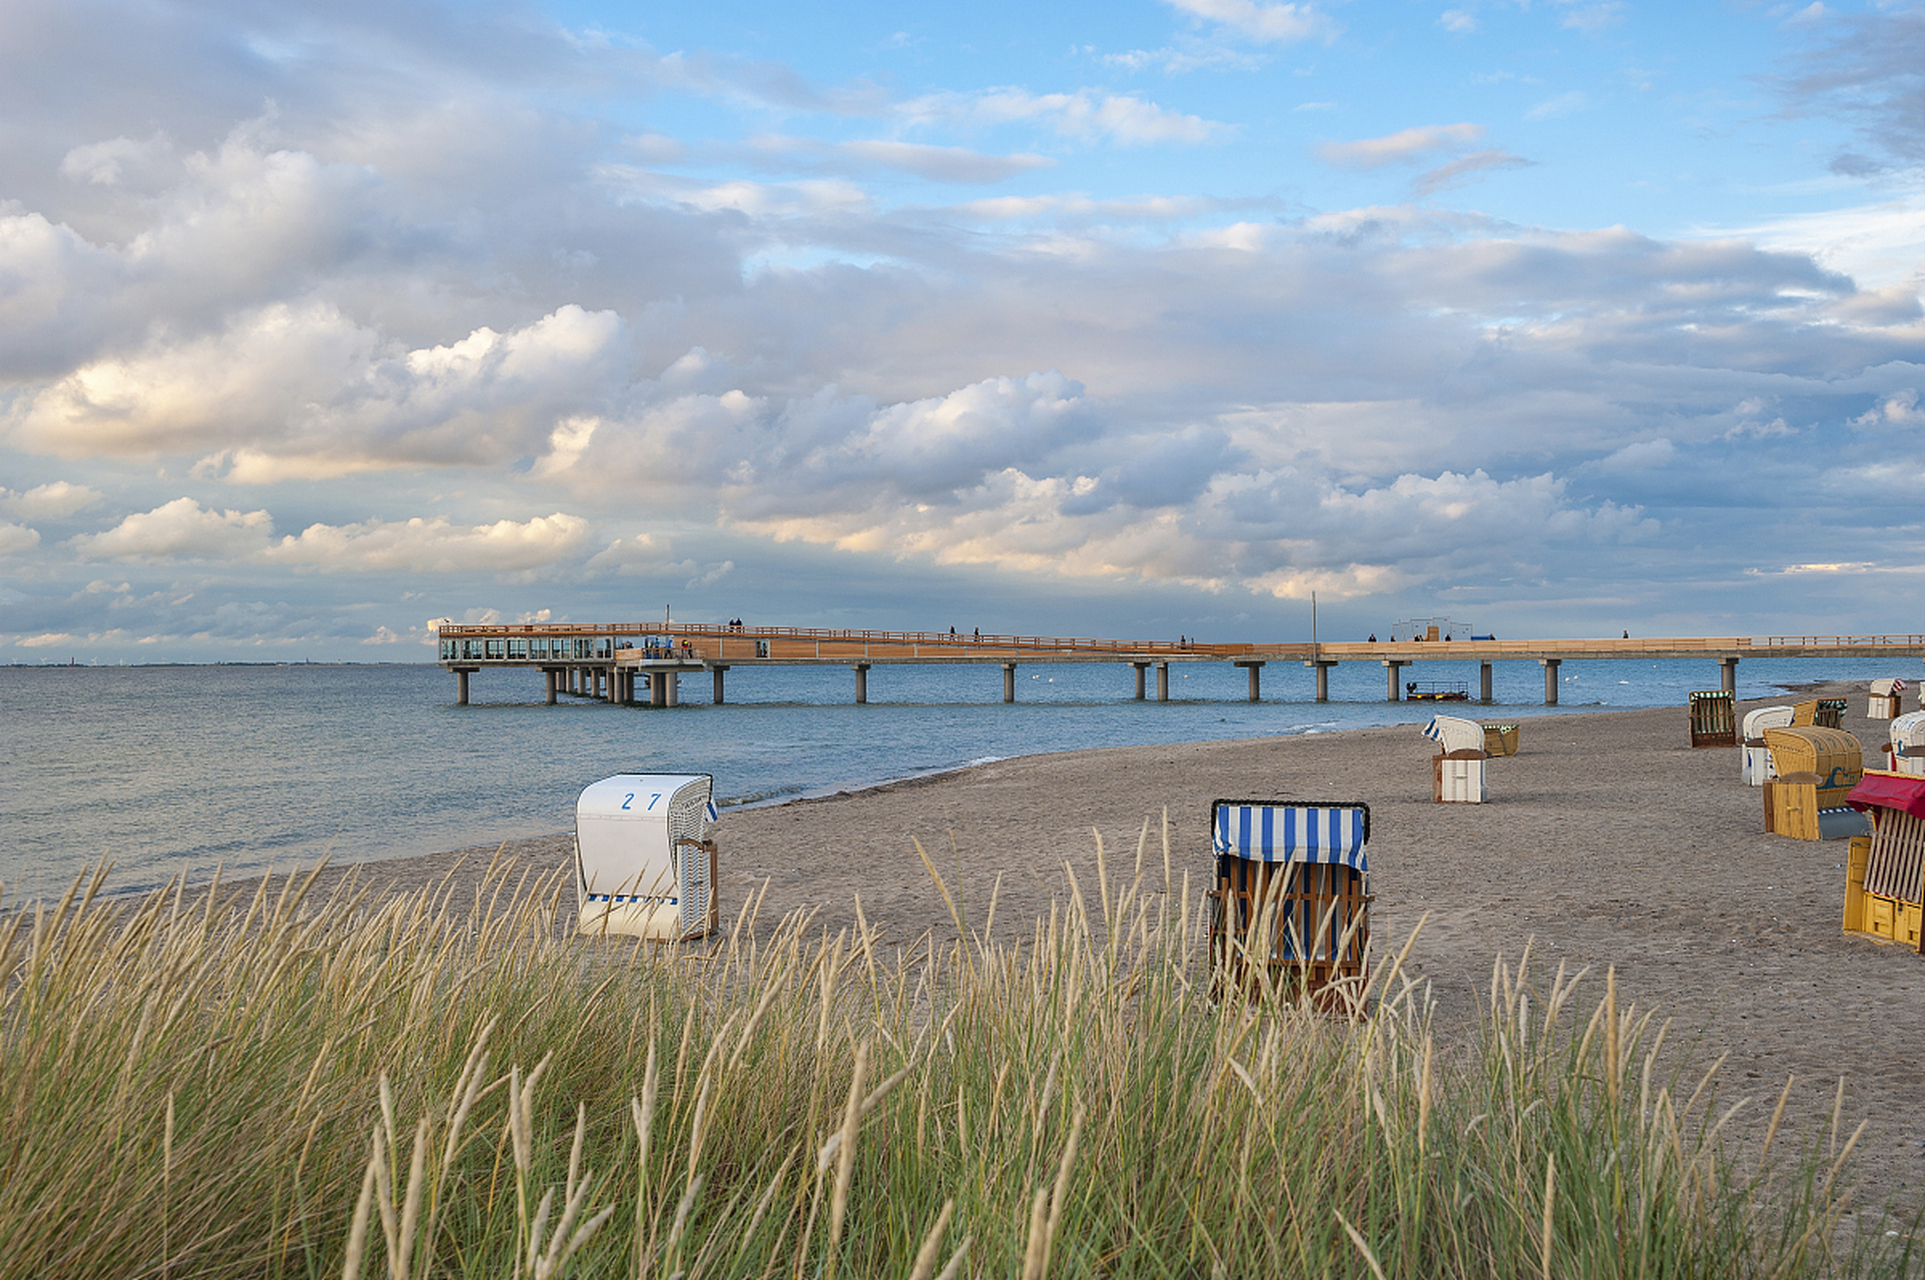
(1883, 894)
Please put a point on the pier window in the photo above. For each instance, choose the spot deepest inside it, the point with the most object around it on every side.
(538, 647)
(517, 648)
(447, 649)
(471, 648)
(495, 648)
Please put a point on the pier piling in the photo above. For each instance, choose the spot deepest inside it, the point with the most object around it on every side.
(1322, 667)
(1256, 686)
(1728, 675)
(1140, 668)
(1009, 682)
(862, 682)
(1484, 682)
(1550, 666)
(1162, 682)
(1393, 679)
(717, 673)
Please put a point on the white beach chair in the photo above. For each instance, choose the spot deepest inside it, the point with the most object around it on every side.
(642, 866)
(1457, 770)
(1908, 743)
(1884, 699)
(1754, 758)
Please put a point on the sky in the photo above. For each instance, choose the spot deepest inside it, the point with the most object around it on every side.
(321, 321)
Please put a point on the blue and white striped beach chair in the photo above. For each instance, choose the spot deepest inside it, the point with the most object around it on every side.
(1292, 891)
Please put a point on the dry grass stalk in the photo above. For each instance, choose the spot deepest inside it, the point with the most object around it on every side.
(245, 1043)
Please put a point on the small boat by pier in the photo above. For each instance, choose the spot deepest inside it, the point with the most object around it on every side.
(1436, 691)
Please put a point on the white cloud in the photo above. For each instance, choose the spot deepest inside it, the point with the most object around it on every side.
(943, 164)
(1642, 455)
(640, 555)
(1561, 105)
(15, 537)
(1826, 568)
(1879, 245)
(50, 501)
(1066, 206)
(1194, 55)
(181, 529)
(1267, 23)
(1457, 21)
(1271, 533)
(1464, 169)
(105, 163)
(301, 391)
(450, 288)
(431, 546)
(1401, 147)
(1086, 115)
(1901, 410)
(1591, 16)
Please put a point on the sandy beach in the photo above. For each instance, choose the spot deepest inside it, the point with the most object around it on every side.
(1607, 841)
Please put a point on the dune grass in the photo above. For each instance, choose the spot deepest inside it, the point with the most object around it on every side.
(321, 1086)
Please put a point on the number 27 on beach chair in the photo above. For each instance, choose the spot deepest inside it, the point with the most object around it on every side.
(1290, 909)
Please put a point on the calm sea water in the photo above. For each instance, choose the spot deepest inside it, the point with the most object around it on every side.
(179, 769)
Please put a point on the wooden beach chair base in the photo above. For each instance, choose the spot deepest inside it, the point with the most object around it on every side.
(1300, 931)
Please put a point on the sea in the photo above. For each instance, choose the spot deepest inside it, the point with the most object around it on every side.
(167, 771)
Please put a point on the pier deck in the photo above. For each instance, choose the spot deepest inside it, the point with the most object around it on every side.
(615, 660)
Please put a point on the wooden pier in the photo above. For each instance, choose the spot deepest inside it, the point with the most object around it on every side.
(616, 661)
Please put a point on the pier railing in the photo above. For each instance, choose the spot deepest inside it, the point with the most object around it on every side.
(850, 635)
(1838, 642)
(717, 639)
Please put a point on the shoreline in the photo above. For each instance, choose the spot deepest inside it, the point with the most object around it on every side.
(540, 842)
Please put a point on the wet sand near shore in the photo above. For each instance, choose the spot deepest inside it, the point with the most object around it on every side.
(1607, 841)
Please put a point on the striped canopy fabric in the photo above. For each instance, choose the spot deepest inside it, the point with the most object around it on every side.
(1454, 733)
(1320, 833)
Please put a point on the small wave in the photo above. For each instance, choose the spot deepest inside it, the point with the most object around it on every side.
(751, 799)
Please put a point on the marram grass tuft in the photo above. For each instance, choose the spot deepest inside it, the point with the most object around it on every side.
(194, 1085)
